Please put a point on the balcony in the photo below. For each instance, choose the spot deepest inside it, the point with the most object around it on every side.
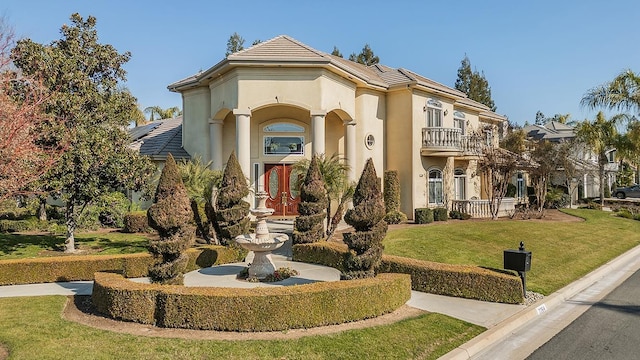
(439, 141)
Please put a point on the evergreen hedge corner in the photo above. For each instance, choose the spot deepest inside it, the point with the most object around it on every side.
(170, 215)
(392, 198)
(309, 225)
(231, 209)
(367, 218)
(423, 216)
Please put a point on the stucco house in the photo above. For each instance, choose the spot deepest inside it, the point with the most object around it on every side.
(281, 100)
(586, 180)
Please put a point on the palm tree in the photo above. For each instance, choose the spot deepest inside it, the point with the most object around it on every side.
(334, 173)
(600, 135)
(199, 179)
(622, 93)
(162, 113)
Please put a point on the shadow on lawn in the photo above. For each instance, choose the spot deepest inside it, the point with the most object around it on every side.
(12, 243)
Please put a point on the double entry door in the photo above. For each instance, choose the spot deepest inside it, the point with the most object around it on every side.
(282, 184)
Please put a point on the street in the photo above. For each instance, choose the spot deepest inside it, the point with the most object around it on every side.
(610, 329)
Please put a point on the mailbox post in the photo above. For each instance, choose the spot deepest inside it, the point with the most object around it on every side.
(520, 261)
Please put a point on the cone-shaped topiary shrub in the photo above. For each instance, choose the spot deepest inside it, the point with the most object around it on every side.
(309, 225)
(231, 210)
(367, 218)
(170, 216)
(392, 198)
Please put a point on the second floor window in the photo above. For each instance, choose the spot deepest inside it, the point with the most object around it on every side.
(434, 113)
(459, 121)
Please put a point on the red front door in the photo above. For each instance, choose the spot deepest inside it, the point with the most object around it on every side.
(282, 185)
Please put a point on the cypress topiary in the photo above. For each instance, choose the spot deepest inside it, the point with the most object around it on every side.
(309, 226)
(170, 216)
(392, 198)
(231, 210)
(367, 218)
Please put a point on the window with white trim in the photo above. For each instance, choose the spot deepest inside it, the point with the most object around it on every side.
(520, 186)
(436, 195)
(459, 121)
(459, 182)
(434, 113)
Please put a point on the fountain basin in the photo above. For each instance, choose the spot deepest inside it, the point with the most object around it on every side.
(262, 264)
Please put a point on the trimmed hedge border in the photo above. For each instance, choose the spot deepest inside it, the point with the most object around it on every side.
(471, 282)
(83, 267)
(257, 309)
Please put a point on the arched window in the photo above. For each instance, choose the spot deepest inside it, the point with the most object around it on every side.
(460, 180)
(459, 121)
(288, 143)
(435, 187)
(433, 111)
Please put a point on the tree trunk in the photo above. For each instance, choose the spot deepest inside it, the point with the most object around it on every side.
(42, 208)
(198, 220)
(69, 243)
(328, 222)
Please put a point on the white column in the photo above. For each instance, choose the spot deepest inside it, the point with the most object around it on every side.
(317, 132)
(350, 147)
(215, 140)
(243, 140)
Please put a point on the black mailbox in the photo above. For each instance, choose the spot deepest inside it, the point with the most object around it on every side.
(518, 260)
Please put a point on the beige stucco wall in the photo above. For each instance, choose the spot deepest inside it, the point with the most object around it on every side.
(195, 122)
(401, 147)
(370, 119)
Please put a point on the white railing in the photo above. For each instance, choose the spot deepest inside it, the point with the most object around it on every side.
(481, 209)
(448, 139)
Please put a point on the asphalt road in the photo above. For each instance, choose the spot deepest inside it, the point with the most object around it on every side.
(610, 329)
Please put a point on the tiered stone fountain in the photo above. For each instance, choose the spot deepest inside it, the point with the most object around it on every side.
(262, 243)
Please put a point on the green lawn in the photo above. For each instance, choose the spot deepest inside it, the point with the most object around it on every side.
(32, 328)
(19, 246)
(561, 251)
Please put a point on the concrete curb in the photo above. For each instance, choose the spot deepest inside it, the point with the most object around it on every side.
(509, 325)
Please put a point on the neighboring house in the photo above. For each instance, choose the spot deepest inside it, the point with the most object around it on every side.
(156, 140)
(585, 161)
(281, 101)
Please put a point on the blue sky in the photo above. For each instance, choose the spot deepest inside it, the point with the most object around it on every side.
(537, 55)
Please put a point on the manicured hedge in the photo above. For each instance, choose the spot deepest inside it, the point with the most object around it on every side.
(472, 282)
(83, 267)
(257, 309)
(423, 216)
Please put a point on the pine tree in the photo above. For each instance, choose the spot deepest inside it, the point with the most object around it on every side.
(309, 225)
(336, 52)
(366, 56)
(170, 215)
(474, 84)
(231, 210)
(367, 218)
(234, 44)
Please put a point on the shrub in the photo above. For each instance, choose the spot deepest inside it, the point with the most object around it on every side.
(229, 309)
(30, 223)
(392, 198)
(170, 215)
(395, 217)
(309, 225)
(367, 218)
(471, 282)
(455, 214)
(107, 210)
(136, 222)
(556, 199)
(625, 213)
(231, 210)
(440, 214)
(83, 267)
(423, 216)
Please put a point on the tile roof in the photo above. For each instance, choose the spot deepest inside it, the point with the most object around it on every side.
(159, 138)
(284, 49)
